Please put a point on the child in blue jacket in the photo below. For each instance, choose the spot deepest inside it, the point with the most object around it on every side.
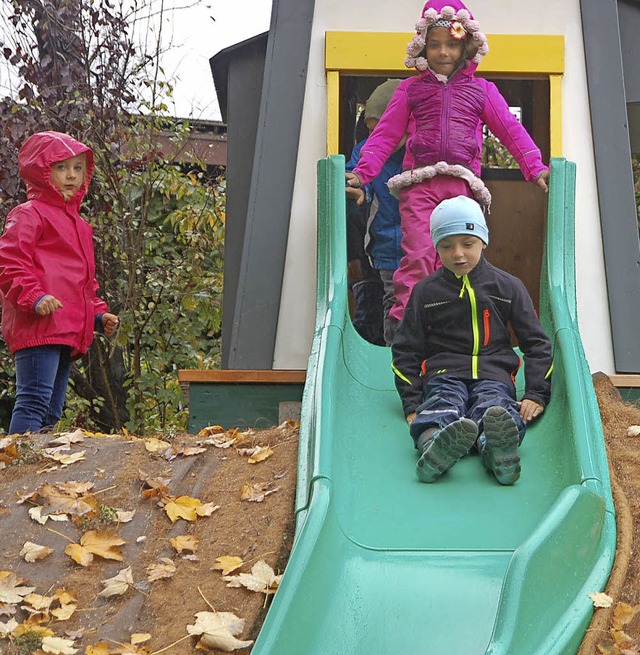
(382, 241)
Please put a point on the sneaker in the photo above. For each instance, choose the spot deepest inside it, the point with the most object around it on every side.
(448, 446)
(500, 450)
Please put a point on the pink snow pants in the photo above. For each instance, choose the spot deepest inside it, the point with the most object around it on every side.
(420, 257)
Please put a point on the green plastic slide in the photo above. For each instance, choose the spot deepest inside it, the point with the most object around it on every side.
(385, 565)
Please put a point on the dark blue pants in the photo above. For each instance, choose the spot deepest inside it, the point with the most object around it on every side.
(448, 398)
(42, 375)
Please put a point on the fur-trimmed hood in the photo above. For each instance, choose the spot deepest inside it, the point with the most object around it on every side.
(461, 20)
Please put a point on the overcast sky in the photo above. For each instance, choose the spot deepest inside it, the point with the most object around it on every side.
(199, 32)
(192, 32)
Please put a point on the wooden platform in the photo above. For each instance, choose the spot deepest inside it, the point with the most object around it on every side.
(242, 398)
(628, 385)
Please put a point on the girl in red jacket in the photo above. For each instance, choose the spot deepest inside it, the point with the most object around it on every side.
(47, 278)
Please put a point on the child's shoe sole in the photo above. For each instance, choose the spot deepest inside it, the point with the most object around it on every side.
(501, 454)
(449, 445)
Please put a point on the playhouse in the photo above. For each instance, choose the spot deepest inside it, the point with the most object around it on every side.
(290, 98)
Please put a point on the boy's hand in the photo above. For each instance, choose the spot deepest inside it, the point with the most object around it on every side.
(47, 305)
(542, 181)
(109, 324)
(530, 409)
(354, 188)
(356, 195)
(411, 418)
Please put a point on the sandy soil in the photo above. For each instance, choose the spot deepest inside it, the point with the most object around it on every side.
(254, 531)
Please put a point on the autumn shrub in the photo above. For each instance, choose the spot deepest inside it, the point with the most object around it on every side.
(157, 214)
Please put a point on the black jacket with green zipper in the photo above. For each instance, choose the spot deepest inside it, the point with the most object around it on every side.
(459, 326)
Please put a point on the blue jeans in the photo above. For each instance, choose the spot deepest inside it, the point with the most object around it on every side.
(42, 376)
(448, 398)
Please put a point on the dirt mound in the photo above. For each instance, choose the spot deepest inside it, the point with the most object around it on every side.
(254, 531)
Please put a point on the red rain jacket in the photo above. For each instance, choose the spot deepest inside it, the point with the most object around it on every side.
(47, 248)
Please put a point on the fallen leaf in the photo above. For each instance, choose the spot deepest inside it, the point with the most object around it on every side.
(154, 445)
(257, 491)
(191, 450)
(125, 517)
(633, 431)
(140, 638)
(36, 514)
(33, 552)
(210, 430)
(68, 438)
(164, 569)
(227, 564)
(183, 507)
(100, 648)
(11, 589)
(218, 630)
(8, 450)
(102, 543)
(206, 509)
(262, 578)
(601, 599)
(58, 646)
(185, 542)
(65, 460)
(130, 649)
(222, 441)
(7, 628)
(623, 615)
(119, 584)
(66, 498)
(256, 454)
(157, 486)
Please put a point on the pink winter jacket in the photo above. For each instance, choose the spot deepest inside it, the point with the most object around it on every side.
(444, 120)
(47, 248)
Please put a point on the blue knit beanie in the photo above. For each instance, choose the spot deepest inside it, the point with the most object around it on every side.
(459, 215)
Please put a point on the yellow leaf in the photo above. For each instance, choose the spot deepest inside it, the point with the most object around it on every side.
(257, 453)
(79, 554)
(183, 507)
(185, 542)
(65, 612)
(101, 648)
(140, 637)
(227, 564)
(210, 430)
(101, 543)
(623, 615)
(154, 445)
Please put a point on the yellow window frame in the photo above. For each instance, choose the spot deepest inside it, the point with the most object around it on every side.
(377, 53)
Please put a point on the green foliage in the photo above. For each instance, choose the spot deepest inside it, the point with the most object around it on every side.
(495, 155)
(157, 215)
(28, 643)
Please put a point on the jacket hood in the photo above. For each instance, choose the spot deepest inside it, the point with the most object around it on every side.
(34, 162)
(461, 21)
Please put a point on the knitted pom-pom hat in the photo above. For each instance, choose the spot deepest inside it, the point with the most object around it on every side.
(459, 215)
(445, 13)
